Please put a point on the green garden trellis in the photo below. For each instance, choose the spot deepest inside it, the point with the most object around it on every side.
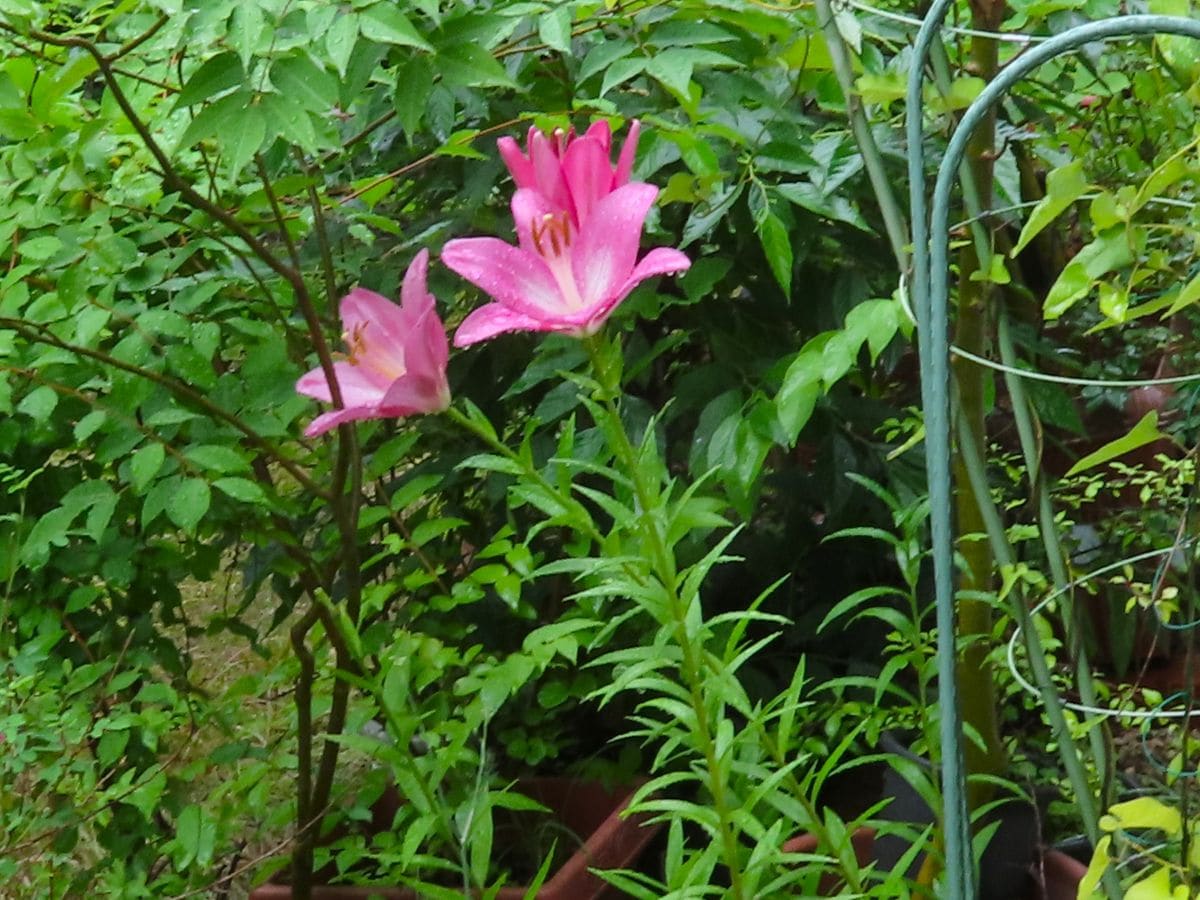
(930, 291)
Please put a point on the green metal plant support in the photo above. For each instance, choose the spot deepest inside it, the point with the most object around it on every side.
(930, 292)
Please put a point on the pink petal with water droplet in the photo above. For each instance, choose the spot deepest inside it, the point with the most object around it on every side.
(493, 319)
(518, 279)
(605, 254)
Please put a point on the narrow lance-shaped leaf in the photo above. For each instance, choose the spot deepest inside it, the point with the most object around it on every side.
(1144, 432)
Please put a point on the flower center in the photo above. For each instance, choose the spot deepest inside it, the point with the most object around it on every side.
(552, 240)
(552, 235)
(359, 353)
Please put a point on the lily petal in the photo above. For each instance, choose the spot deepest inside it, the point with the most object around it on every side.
(588, 175)
(380, 323)
(659, 261)
(409, 396)
(517, 162)
(493, 319)
(326, 421)
(628, 151)
(359, 385)
(426, 347)
(518, 279)
(606, 252)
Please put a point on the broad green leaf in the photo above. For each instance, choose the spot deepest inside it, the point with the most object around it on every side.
(621, 71)
(414, 84)
(554, 28)
(248, 135)
(286, 118)
(672, 69)
(190, 501)
(39, 403)
(997, 272)
(1156, 886)
(40, 248)
(89, 424)
(1175, 168)
(1109, 251)
(195, 836)
(221, 73)
(777, 246)
(1144, 432)
(1142, 812)
(217, 458)
(215, 118)
(807, 195)
(340, 40)
(1064, 186)
(1072, 283)
(1105, 212)
(1187, 296)
(242, 489)
(469, 65)
(848, 27)
(798, 394)
(245, 30)
(603, 55)
(961, 94)
(385, 23)
(875, 322)
(304, 81)
(883, 88)
(144, 465)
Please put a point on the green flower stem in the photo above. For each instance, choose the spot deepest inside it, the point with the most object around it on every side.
(648, 499)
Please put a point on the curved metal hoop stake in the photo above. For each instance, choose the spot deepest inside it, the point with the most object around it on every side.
(930, 290)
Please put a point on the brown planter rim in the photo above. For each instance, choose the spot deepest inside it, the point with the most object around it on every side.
(1061, 873)
(614, 842)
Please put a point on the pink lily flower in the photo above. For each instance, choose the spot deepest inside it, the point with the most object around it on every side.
(573, 173)
(396, 362)
(561, 277)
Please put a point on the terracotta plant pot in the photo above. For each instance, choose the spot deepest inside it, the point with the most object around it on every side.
(1060, 874)
(583, 807)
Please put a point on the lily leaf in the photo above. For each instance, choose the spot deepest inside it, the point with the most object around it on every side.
(1144, 432)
